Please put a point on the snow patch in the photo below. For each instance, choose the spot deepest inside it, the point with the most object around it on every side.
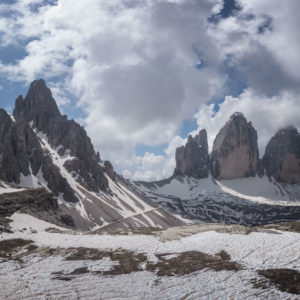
(21, 221)
(5, 188)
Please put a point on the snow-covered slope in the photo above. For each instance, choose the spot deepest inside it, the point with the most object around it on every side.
(121, 206)
(249, 201)
(42, 261)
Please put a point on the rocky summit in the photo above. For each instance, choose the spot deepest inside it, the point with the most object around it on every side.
(22, 154)
(39, 109)
(282, 155)
(193, 158)
(235, 150)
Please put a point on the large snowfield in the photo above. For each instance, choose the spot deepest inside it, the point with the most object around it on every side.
(49, 271)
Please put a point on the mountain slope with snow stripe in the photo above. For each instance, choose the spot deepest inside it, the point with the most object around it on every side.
(41, 148)
(248, 201)
(9, 188)
(123, 205)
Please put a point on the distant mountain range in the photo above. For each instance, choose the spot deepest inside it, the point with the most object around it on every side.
(40, 148)
(232, 184)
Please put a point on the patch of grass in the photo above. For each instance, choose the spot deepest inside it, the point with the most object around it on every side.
(128, 261)
(286, 280)
(53, 230)
(86, 254)
(10, 249)
(4, 224)
(79, 271)
(63, 277)
(184, 263)
(286, 226)
(128, 231)
(192, 261)
(224, 255)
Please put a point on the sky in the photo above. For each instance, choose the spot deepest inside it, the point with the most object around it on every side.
(141, 75)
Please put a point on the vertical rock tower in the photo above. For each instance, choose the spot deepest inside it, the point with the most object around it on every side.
(193, 158)
(282, 156)
(235, 150)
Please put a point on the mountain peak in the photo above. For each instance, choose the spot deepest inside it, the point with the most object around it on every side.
(193, 159)
(290, 129)
(38, 105)
(237, 114)
(235, 150)
(38, 83)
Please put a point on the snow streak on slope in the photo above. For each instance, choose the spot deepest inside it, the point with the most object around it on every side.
(8, 188)
(42, 276)
(248, 201)
(256, 189)
(121, 206)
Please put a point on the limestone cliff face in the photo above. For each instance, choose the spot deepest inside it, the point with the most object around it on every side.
(193, 159)
(282, 156)
(19, 149)
(235, 150)
(39, 109)
(22, 152)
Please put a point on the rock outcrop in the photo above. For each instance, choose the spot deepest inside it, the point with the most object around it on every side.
(193, 158)
(37, 202)
(282, 156)
(109, 170)
(20, 151)
(235, 150)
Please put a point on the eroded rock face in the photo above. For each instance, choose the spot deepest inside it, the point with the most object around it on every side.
(22, 151)
(193, 158)
(38, 107)
(110, 170)
(282, 156)
(19, 149)
(235, 150)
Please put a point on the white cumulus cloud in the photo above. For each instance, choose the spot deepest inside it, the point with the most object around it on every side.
(138, 69)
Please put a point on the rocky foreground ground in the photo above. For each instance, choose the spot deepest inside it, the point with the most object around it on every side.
(39, 260)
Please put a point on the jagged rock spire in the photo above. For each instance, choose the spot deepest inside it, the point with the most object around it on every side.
(38, 106)
(193, 159)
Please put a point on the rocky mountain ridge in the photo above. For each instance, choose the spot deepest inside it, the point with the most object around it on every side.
(235, 154)
(232, 185)
(39, 109)
(40, 148)
(251, 201)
